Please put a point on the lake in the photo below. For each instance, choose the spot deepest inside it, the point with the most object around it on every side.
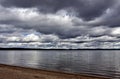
(94, 62)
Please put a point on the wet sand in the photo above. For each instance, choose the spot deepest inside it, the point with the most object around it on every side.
(13, 72)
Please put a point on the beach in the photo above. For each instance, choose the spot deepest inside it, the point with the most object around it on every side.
(14, 72)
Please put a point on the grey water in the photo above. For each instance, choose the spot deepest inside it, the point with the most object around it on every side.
(94, 62)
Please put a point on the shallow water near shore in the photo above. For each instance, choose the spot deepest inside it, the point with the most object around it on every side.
(96, 62)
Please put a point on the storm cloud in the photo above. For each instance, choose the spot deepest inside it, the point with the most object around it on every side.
(87, 9)
(64, 19)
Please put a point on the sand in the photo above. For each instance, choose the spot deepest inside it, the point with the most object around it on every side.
(14, 72)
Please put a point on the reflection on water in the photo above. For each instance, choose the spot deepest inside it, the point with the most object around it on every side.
(99, 62)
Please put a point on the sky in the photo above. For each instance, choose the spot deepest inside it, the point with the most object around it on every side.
(62, 24)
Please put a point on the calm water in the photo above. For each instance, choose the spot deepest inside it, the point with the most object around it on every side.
(98, 62)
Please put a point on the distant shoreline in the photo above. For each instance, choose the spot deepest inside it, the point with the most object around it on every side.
(14, 72)
(50, 49)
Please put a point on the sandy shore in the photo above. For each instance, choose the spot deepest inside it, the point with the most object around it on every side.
(13, 72)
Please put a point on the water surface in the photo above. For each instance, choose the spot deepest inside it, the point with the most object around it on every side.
(98, 62)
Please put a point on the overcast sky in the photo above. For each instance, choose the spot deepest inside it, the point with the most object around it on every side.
(60, 20)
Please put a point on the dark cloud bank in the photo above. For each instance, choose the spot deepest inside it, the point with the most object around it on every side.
(63, 18)
(87, 9)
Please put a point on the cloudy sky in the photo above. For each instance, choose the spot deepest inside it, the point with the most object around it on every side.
(68, 24)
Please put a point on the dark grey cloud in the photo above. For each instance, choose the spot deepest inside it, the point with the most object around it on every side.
(65, 18)
(87, 9)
